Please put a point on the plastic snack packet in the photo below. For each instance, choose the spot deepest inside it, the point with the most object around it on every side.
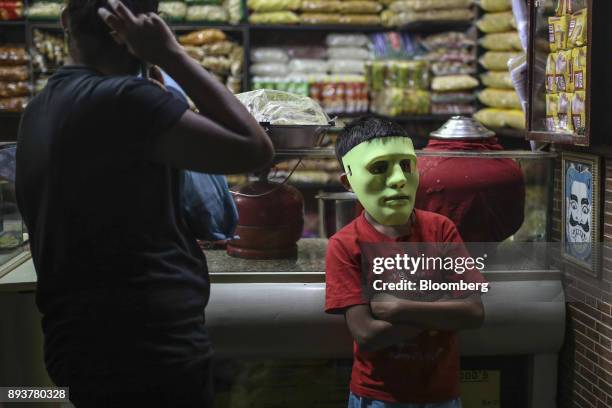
(564, 112)
(552, 113)
(557, 33)
(579, 68)
(577, 29)
(551, 81)
(579, 112)
(561, 71)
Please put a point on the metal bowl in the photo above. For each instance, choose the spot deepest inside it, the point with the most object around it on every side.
(286, 137)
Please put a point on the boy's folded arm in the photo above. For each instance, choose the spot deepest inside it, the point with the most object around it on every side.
(372, 334)
(456, 314)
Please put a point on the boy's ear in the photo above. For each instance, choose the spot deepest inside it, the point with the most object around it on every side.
(345, 182)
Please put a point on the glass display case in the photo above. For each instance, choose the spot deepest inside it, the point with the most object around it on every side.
(567, 56)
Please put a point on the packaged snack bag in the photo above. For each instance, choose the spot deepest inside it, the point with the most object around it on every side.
(560, 7)
(562, 71)
(579, 69)
(575, 5)
(577, 31)
(557, 33)
(579, 112)
(551, 81)
(564, 112)
(552, 113)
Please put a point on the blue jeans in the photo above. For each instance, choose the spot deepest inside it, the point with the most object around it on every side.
(360, 402)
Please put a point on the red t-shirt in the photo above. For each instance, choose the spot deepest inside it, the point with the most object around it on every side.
(422, 370)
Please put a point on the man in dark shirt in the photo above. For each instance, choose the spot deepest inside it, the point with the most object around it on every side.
(122, 284)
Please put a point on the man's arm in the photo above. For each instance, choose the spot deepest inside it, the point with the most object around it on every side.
(225, 138)
(372, 334)
(441, 315)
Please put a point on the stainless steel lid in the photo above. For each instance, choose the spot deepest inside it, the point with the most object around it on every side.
(462, 128)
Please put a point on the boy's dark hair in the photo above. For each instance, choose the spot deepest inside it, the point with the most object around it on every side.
(365, 129)
(91, 34)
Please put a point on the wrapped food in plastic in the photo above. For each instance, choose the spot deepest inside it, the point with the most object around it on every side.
(10, 56)
(509, 41)
(194, 52)
(274, 17)
(574, 5)
(44, 10)
(562, 70)
(495, 5)
(207, 13)
(308, 66)
(498, 79)
(202, 37)
(320, 6)
(579, 69)
(552, 112)
(399, 101)
(407, 74)
(497, 118)
(12, 89)
(577, 31)
(496, 60)
(454, 83)
(407, 17)
(195, 2)
(348, 53)
(172, 10)
(579, 112)
(283, 108)
(19, 73)
(560, 7)
(347, 66)
(235, 11)
(452, 68)
(218, 65)
(496, 22)
(361, 19)
(423, 5)
(11, 10)
(17, 104)
(557, 33)
(453, 97)
(269, 54)
(499, 98)
(450, 39)
(551, 78)
(375, 74)
(236, 67)
(319, 18)
(307, 51)
(564, 112)
(218, 48)
(273, 5)
(360, 7)
(347, 40)
(269, 69)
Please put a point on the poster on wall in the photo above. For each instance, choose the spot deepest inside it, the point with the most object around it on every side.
(580, 210)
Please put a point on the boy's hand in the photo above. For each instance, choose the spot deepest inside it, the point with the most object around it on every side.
(146, 36)
(383, 306)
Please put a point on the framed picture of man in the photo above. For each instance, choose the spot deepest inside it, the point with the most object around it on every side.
(580, 210)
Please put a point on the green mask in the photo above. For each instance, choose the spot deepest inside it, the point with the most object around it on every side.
(383, 174)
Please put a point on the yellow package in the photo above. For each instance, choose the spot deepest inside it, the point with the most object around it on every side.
(495, 5)
(577, 31)
(557, 33)
(501, 118)
(273, 5)
(320, 18)
(274, 17)
(564, 112)
(502, 41)
(496, 22)
(499, 98)
(360, 7)
(562, 70)
(497, 61)
(552, 113)
(575, 5)
(579, 69)
(551, 81)
(499, 79)
(579, 112)
(320, 6)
